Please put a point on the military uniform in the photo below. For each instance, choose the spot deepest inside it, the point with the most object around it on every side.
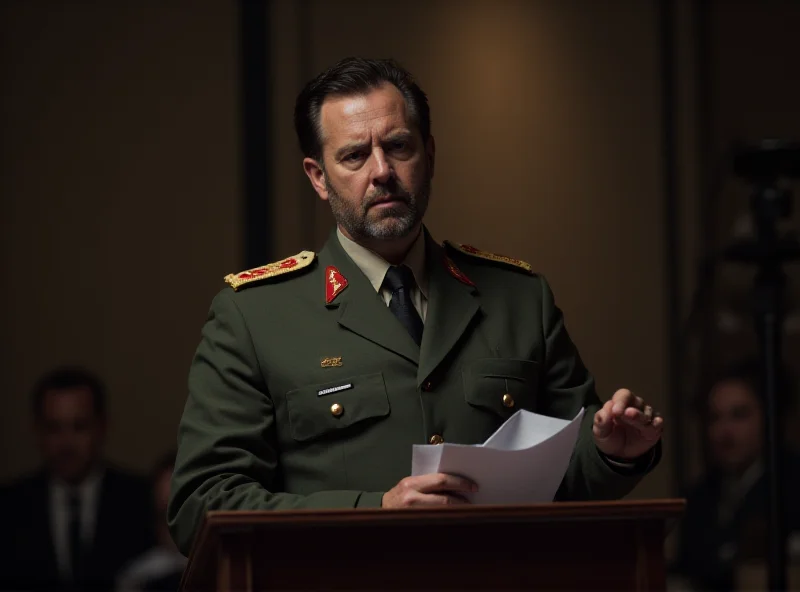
(307, 392)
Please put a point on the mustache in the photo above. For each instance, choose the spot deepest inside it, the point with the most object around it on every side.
(399, 195)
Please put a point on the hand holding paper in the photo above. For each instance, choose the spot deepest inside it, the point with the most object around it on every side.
(524, 461)
(431, 489)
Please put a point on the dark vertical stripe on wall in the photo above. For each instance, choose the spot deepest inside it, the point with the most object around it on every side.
(255, 109)
(712, 174)
(304, 50)
(666, 20)
(708, 168)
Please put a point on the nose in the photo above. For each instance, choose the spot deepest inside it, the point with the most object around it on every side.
(381, 169)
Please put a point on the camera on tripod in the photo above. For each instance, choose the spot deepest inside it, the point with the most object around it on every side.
(764, 165)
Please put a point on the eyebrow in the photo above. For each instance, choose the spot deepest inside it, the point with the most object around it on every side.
(347, 148)
(354, 146)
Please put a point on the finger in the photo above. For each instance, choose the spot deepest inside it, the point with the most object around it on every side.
(646, 416)
(648, 413)
(603, 421)
(637, 420)
(622, 399)
(440, 499)
(634, 417)
(438, 482)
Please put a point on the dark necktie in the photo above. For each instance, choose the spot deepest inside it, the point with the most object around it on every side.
(400, 281)
(74, 530)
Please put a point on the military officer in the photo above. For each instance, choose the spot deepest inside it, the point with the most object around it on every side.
(316, 374)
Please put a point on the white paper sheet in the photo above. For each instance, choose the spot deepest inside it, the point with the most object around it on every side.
(524, 461)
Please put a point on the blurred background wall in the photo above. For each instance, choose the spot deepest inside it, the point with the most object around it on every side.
(121, 204)
(121, 185)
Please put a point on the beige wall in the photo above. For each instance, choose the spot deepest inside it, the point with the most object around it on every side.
(121, 203)
(547, 124)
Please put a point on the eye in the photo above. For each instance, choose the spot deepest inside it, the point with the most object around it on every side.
(353, 157)
(399, 145)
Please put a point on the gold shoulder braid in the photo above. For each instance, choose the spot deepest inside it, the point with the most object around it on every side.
(470, 250)
(288, 265)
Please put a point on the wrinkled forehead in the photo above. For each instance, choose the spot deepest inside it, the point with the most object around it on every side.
(346, 118)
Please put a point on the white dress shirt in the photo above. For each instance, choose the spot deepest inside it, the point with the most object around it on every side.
(375, 267)
(89, 494)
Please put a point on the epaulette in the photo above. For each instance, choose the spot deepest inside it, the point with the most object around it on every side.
(470, 250)
(270, 270)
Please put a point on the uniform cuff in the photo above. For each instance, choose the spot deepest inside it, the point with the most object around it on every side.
(637, 466)
(370, 499)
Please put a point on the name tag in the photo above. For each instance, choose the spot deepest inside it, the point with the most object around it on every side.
(335, 389)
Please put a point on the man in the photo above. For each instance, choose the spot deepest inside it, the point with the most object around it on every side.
(317, 374)
(725, 515)
(73, 524)
(161, 567)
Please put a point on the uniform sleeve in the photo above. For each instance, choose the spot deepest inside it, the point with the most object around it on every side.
(568, 386)
(227, 453)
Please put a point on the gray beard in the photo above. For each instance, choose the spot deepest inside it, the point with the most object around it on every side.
(388, 223)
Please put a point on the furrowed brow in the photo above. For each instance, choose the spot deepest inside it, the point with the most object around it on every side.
(399, 135)
(347, 148)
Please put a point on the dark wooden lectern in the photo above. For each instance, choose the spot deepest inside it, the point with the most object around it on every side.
(559, 546)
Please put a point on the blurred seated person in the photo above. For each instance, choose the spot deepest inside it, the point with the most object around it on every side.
(159, 569)
(724, 523)
(73, 524)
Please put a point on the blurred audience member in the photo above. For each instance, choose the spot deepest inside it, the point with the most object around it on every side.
(159, 569)
(73, 524)
(725, 516)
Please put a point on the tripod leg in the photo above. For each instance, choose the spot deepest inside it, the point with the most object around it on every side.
(769, 302)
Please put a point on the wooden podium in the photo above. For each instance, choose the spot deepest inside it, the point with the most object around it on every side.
(558, 546)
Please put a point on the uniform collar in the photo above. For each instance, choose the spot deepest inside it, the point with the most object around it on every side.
(375, 267)
(453, 303)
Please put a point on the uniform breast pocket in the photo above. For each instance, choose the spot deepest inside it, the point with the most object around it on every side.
(501, 385)
(325, 410)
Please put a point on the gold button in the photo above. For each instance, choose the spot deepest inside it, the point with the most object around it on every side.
(436, 439)
(508, 400)
(336, 410)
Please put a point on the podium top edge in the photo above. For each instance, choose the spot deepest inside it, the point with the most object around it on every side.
(619, 510)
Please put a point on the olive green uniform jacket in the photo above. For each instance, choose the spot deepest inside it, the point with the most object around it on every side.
(257, 434)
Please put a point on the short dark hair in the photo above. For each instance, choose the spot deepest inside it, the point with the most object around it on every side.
(355, 76)
(69, 377)
(750, 372)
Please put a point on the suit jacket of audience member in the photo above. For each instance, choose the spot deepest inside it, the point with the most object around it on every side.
(709, 551)
(123, 530)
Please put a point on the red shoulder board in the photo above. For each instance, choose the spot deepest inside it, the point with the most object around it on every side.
(288, 265)
(470, 250)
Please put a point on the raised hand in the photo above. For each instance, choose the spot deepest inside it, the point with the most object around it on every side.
(626, 427)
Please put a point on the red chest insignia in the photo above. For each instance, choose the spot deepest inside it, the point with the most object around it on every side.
(335, 282)
(456, 272)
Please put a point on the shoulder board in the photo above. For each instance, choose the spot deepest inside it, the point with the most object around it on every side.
(257, 274)
(470, 250)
